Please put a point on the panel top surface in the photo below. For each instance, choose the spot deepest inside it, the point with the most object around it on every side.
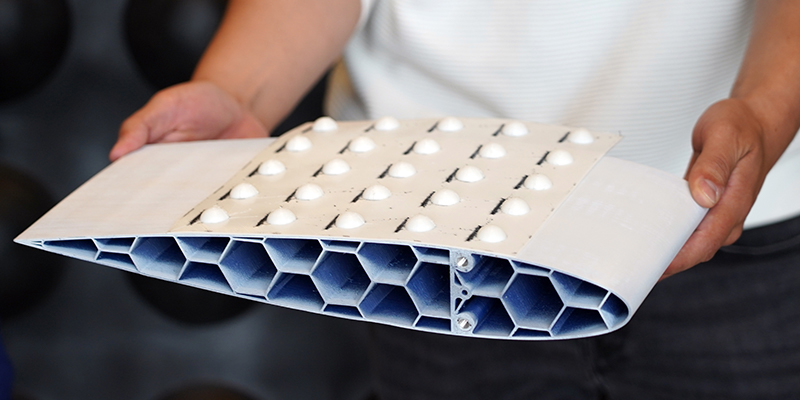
(420, 164)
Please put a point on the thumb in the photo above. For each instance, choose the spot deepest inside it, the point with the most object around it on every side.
(726, 142)
(717, 142)
(708, 175)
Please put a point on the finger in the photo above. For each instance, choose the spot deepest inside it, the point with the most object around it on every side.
(147, 125)
(703, 243)
(245, 126)
(133, 134)
(723, 223)
(248, 126)
(735, 234)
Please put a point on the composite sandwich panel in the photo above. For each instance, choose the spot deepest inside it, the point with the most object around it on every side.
(578, 261)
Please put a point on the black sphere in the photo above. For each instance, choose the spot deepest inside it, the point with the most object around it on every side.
(187, 304)
(33, 38)
(27, 275)
(167, 37)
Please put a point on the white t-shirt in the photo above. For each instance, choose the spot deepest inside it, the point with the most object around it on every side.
(646, 69)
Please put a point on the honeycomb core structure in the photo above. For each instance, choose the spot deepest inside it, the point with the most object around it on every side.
(406, 285)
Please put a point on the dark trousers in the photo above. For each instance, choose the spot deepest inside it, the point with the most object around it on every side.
(726, 329)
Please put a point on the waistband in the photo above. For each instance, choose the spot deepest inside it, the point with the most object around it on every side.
(768, 239)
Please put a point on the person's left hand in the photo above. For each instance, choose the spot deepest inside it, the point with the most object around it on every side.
(725, 175)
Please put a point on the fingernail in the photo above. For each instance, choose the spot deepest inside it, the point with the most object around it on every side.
(710, 192)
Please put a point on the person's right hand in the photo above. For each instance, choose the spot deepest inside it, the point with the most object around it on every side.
(189, 111)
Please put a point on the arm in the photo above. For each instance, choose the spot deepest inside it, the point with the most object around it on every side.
(263, 58)
(738, 140)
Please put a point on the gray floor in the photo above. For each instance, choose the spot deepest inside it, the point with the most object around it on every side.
(93, 338)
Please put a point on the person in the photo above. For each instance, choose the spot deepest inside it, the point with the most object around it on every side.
(714, 85)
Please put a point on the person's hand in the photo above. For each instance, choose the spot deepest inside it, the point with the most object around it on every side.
(189, 111)
(725, 175)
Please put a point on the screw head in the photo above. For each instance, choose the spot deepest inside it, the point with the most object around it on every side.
(462, 264)
(463, 324)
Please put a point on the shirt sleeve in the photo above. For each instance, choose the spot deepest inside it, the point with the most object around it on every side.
(366, 8)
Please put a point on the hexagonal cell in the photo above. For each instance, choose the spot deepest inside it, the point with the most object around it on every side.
(248, 268)
(530, 333)
(83, 249)
(429, 287)
(158, 256)
(614, 311)
(433, 255)
(486, 316)
(206, 249)
(389, 303)
(343, 311)
(530, 269)
(488, 277)
(387, 263)
(205, 276)
(340, 278)
(341, 246)
(295, 291)
(293, 255)
(116, 260)
(574, 321)
(532, 301)
(115, 245)
(577, 292)
(433, 324)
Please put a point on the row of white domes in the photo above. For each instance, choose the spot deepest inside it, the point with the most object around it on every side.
(452, 124)
(350, 219)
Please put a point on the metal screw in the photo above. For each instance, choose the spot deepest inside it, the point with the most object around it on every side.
(462, 264)
(463, 323)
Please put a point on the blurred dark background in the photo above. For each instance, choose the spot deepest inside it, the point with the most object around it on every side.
(70, 72)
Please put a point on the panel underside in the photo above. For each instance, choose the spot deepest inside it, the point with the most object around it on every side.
(411, 286)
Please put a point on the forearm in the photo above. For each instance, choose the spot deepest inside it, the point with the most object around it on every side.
(769, 78)
(267, 54)
(737, 140)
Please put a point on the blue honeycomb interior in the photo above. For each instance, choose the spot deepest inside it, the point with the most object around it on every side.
(410, 286)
